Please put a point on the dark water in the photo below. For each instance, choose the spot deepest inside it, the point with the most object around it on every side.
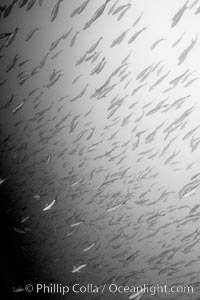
(99, 148)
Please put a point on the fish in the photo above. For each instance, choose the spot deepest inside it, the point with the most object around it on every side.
(80, 95)
(12, 64)
(177, 17)
(4, 35)
(76, 224)
(186, 51)
(132, 39)
(74, 39)
(88, 248)
(6, 105)
(55, 43)
(65, 35)
(49, 206)
(77, 269)
(55, 10)
(98, 67)
(31, 33)
(178, 40)
(22, 3)
(137, 295)
(112, 7)
(8, 9)
(40, 2)
(12, 37)
(189, 189)
(80, 9)
(137, 20)
(193, 4)
(119, 39)
(155, 44)
(30, 4)
(191, 81)
(3, 180)
(56, 54)
(120, 8)
(18, 107)
(96, 15)
(122, 14)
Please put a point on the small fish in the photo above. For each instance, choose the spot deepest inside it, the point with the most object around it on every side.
(137, 295)
(12, 64)
(112, 7)
(3, 180)
(94, 46)
(36, 196)
(176, 18)
(18, 107)
(137, 20)
(11, 37)
(74, 39)
(8, 9)
(48, 159)
(119, 8)
(76, 269)
(24, 219)
(119, 39)
(113, 208)
(156, 43)
(178, 40)
(194, 3)
(56, 54)
(189, 189)
(89, 247)
(65, 35)
(55, 43)
(4, 35)
(30, 4)
(80, 9)
(96, 15)
(136, 35)
(47, 207)
(22, 3)
(76, 79)
(122, 14)
(55, 10)
(76, 224)
(31, 33)
(186, 51)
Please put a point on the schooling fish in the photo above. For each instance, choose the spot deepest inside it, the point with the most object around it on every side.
(11, 37)
(119, 39)
(8, 9)
(3, 180)
(78, 268)
(55, 10)
(189, 189)
(119, 8)
(30, 5)
(176, 18)
(31, 33)
(47, 207)
(136, 35)
(96, 15)
(22, 3)
(78, 10)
